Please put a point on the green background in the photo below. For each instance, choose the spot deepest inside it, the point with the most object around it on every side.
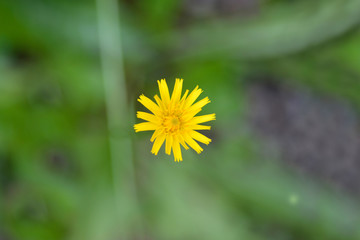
(71, 166)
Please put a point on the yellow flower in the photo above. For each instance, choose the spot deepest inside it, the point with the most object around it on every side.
(174, 119)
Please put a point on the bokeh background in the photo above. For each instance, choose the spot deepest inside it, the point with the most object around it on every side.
(284, 80)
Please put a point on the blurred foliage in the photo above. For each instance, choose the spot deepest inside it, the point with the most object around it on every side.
(56, 174)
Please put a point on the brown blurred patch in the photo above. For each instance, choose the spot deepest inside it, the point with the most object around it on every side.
(317, 135)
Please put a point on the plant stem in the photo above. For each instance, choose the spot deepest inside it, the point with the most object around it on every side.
(118, 111)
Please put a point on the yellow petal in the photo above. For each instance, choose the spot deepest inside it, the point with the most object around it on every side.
(188, 116)
(164, 91)
(198, 105)
(156, 134)
(176, 94)
(182, 101)
(157, 144)
(148, 117)
(199, 127)
(169, 141)
(176, 150)
(192, 97)
(145, 126)
(203, 118)
(159, 102)
(192, 143)
(199, 137)
(182, 141)
(150, 105)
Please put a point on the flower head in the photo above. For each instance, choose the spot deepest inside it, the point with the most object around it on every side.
(173, 119)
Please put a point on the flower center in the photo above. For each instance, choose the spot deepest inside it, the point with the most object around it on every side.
(172, 124)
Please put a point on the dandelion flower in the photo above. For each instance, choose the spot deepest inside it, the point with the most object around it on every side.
(174, 119)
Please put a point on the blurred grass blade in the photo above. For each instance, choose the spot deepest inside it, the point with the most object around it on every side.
(117, 110)
(284, 29)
